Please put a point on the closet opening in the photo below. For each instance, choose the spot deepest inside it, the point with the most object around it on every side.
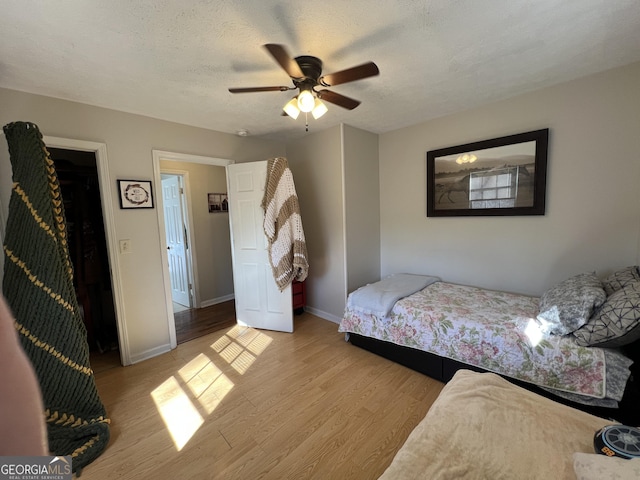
(78, 176)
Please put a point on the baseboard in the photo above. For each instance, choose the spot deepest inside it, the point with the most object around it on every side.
(147, 354)
(324, 315)
(215, 301)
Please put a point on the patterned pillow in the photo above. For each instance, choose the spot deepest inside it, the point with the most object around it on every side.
(568, 305)
(592, 466)
(616, 322)
(619, 279)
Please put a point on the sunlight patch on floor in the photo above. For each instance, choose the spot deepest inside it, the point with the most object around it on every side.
(206, 382)
(196, 390)
(178, 412)
(240, 346)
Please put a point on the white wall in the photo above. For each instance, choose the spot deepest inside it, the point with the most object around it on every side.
(211, 231)
(593, 205)
(130, 140)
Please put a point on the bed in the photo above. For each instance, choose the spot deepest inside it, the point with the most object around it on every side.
(542, 343)
(482, 426)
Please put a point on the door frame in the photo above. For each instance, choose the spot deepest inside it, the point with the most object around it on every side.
(186, 158)
(187, 220)
(106, 198)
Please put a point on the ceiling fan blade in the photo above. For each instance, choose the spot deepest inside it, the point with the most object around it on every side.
(260, 89)
(337, 99)
(289, 65)
(365, 70)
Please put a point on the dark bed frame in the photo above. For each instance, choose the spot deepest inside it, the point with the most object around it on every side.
(443, 369)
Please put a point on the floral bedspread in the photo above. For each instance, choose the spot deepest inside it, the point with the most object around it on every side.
(493, 330)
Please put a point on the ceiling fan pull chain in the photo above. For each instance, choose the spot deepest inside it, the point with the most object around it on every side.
(306, 121)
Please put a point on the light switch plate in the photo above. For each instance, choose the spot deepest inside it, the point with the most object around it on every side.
(125, 246)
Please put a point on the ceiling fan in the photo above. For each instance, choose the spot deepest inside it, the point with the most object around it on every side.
(306, 73)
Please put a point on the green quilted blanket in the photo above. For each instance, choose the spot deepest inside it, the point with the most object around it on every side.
(38, 286)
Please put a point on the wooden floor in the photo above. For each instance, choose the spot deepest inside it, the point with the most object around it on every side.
(196, 322)
(190, 324)
(249, 404)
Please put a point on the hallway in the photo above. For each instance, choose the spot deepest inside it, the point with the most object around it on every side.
(196, 322)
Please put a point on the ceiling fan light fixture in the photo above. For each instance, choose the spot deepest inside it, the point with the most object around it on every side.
(305, 71)
(291, 108)
(319, 109)
(466, 158)
(306, 101)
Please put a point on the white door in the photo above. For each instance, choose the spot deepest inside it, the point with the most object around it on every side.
(176, 244)
(259, 302)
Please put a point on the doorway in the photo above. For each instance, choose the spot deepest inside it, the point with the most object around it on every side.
(177, 233)
(102, 164)
(79, 184)
(204, 234)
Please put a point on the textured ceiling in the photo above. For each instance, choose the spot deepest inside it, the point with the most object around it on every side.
(174, 60)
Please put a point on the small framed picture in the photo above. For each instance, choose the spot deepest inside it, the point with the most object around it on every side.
(217, 202)
(135, 194)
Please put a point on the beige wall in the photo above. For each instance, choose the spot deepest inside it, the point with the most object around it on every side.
(337, 181)
(593, 202)
(212, 241)
(362, 206)
(316, 164)
(130, 140)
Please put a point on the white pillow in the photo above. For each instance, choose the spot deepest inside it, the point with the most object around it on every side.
(593, 466)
